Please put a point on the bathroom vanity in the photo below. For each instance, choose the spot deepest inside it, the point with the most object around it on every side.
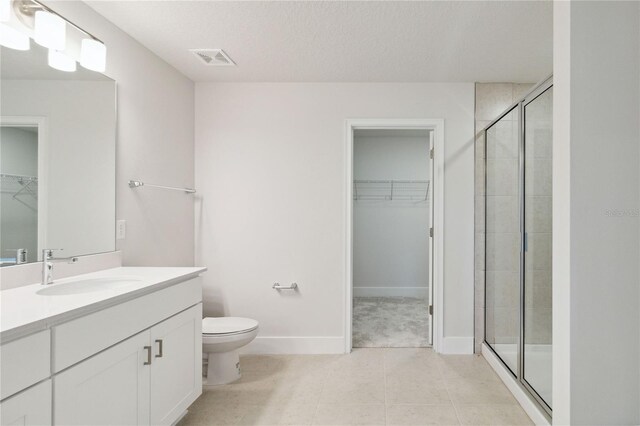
(119, 346)
(110, 345)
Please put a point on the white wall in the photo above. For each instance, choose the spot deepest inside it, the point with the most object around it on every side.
(270, 166)
(390, 238)
(19, 218)
(80, 157)
(596, 242)
(154, 144)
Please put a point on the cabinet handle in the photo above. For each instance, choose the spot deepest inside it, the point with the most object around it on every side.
(159, 342)
(148, 349)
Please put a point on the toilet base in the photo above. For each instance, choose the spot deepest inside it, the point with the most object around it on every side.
(223, 368)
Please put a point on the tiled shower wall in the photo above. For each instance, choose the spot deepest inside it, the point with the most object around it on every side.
(491, 100)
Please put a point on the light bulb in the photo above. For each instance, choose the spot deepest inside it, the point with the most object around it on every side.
(50, 30)
(60, 61)
(13, 39)
(5, 10)
(93, 55)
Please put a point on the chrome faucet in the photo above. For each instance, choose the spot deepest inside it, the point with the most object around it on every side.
(47, 264)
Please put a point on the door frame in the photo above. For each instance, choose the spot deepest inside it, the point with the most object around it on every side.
(41, 124)
(437, 218)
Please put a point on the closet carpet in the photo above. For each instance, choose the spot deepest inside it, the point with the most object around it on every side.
(390, 322)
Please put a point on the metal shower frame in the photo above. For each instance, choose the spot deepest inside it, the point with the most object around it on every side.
(539, 89)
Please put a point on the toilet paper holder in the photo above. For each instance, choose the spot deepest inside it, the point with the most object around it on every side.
(292, 286)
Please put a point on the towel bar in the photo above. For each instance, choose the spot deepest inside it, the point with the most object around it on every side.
(138, 184)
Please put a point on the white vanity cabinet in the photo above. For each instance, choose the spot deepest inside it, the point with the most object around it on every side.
(176, 366)
(150, 378)
(26, 362)
(111, 388)
(31, 407)
(137, 361)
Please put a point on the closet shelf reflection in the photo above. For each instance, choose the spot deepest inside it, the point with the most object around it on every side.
(391, 190)
(19, 184)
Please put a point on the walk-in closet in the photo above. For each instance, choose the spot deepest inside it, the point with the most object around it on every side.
(391, 214)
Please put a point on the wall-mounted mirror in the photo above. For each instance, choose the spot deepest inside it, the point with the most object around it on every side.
(57, 158)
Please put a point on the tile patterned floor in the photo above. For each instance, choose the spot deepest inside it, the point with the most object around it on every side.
(366, 387)
(390, 322)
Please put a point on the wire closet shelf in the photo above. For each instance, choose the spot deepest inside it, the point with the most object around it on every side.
(391, 190)
(19, 184)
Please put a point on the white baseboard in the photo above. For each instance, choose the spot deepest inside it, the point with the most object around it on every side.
(419, 292)
(521, 396)
(457, 345)
(300, 345)
(295, 345)
(180, 417)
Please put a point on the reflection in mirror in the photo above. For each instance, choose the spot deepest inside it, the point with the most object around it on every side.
(19, 192)
(57, 158)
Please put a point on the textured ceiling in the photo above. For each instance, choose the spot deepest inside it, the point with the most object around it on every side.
(346, 41)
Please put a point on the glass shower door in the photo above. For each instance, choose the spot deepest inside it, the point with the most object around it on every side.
(518, 243)
(537, 254)
(502, 239)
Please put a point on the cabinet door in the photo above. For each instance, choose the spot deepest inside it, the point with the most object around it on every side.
(110, 388)
(24, 362)
(176, 371)
(29, 408)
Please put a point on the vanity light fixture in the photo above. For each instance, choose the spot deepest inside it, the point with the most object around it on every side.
(54, 32)
(13, 39)
(50, 30)
(9, 36)
(60, 61)
(5, 10)
(93, 55)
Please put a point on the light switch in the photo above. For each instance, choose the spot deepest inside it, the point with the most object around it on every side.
(121, 229)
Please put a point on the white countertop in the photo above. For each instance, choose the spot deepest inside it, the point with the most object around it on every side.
(24, 311)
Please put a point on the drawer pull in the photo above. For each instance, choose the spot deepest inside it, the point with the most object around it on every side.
(159, 342)
(292, 286)
(148, 349)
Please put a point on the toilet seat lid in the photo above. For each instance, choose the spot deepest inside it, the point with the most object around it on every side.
(227, 325)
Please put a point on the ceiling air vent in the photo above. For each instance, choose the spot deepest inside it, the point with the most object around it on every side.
(213, 57)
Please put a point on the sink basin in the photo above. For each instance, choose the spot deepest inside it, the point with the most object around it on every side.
(88, 285)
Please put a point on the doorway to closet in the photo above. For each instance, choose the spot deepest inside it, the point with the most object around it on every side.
(391, 226)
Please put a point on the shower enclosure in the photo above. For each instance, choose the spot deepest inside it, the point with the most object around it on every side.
(518, 200)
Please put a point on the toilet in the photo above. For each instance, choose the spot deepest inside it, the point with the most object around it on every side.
(221, 340)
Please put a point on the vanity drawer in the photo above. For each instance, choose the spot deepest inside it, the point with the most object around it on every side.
(24, 362)
(29, 408)
(83, 337)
